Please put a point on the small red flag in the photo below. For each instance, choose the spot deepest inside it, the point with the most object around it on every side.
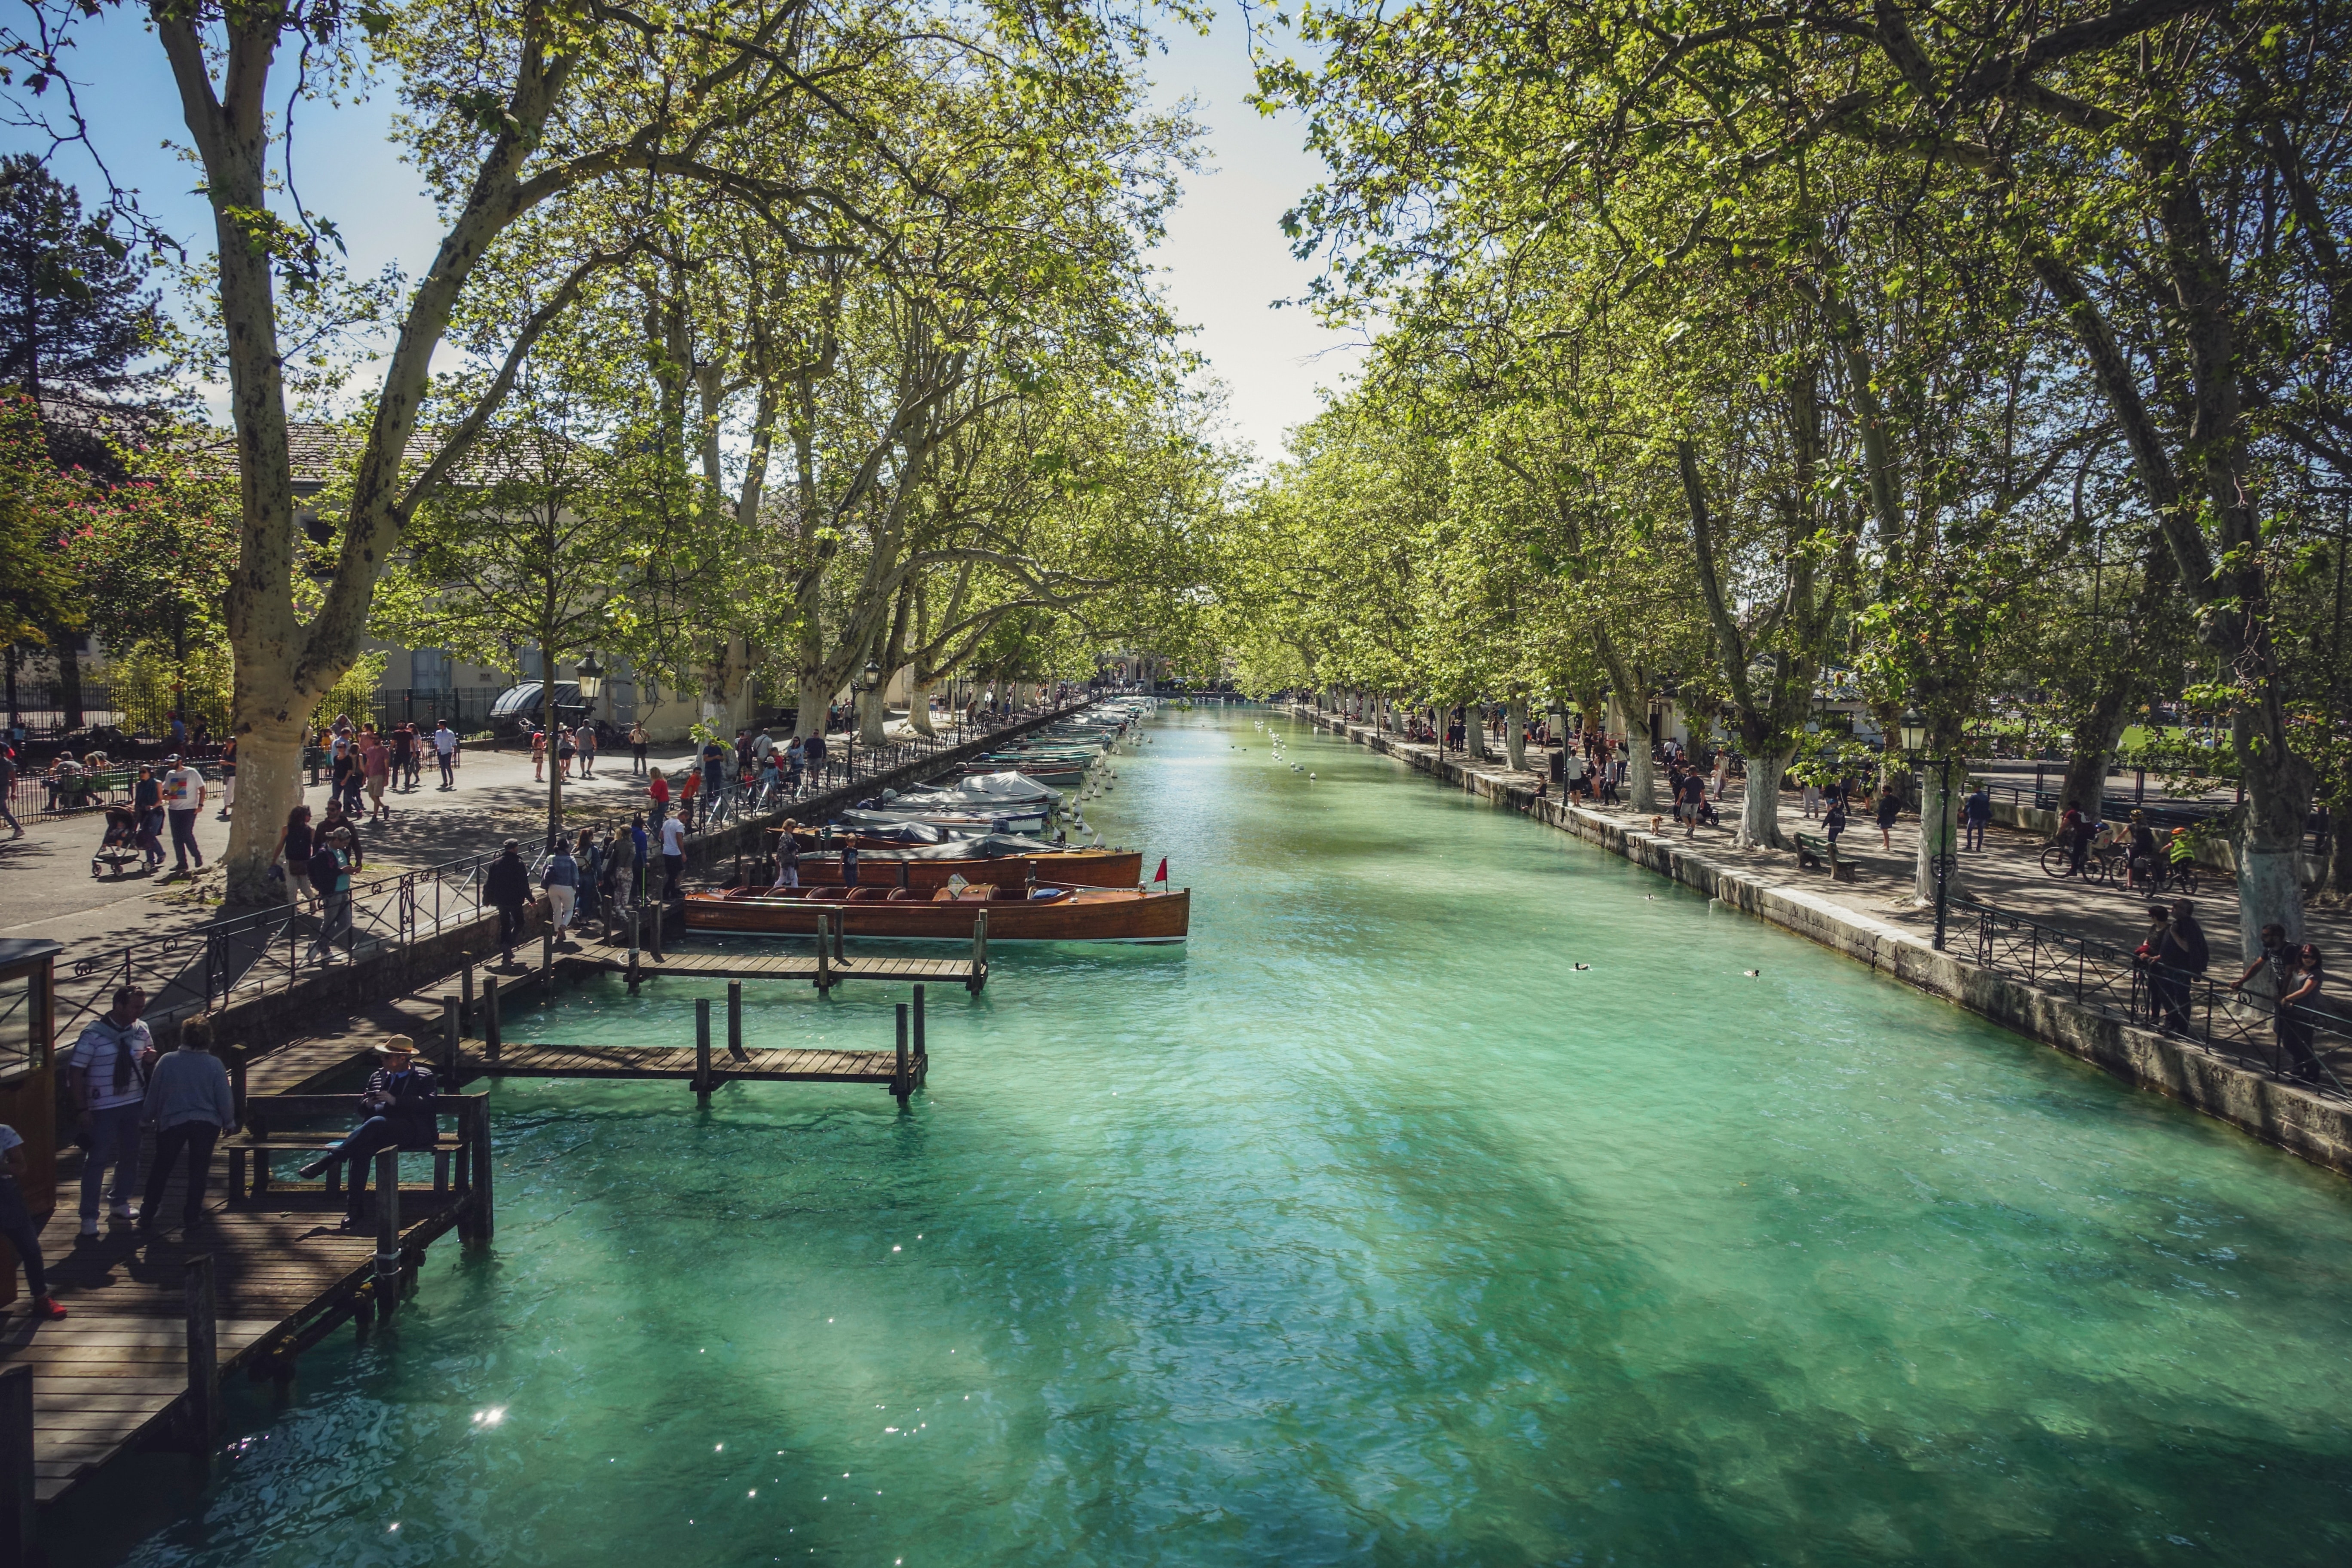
(1161, 875)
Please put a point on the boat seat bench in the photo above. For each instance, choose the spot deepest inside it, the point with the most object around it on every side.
(312, 1145)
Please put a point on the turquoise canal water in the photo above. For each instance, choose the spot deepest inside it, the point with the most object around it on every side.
(1366, 1229)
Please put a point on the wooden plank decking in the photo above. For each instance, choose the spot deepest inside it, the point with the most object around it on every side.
(118, 1372)
(711, 965)
(531, 1059)
(112, 1374)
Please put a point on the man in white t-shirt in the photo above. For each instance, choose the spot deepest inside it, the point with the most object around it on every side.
(183, 796)
(445, 747)
(107, 1075)
(673, 846)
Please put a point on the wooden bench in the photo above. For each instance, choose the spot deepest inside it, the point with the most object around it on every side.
(460, 1157)
(1812, 851)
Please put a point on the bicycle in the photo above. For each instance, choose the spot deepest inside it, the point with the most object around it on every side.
(2104, 863)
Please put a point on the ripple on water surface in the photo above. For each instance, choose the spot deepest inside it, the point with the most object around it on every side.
(1365, 1230)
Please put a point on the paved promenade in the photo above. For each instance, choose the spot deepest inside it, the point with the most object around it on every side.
(2006, 874)
(45, 888)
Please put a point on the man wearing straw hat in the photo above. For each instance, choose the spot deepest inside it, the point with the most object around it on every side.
(397, 1112)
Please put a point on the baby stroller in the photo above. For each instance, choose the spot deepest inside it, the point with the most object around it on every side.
(120, 843)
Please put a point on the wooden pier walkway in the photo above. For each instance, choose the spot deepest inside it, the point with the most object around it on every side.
(719, 965)
(156, 1320)
(539, 1059)
(902, 1070)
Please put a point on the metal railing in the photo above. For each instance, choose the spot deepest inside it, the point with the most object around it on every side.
(41, 707)
(2119, 984)
(54, 795)
(272, 950)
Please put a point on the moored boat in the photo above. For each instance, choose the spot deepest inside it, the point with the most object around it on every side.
(927, 874)
(1056, 914)
(1060, 775)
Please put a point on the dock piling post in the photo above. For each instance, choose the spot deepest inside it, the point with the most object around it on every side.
(491, 1040)
(702, 1051)
(203, 1358)
(387, 1230)
(922, 1051)
(547, 961)
(633, 949)
(660, 918)
(824, 967)
(465, 994)
(900, 1085)
(979, 951)
(840, 930)
(735, 1022)
(18, 1519)
(452, 1034)
(236, 1089)
(485, 1223)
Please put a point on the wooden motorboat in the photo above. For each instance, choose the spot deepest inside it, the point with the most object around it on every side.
(1075, 868)
(1068, 914)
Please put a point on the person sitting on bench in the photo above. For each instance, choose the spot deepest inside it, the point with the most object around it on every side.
(397, 1112)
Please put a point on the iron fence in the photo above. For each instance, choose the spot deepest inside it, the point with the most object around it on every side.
(2119, 984)
(49, 711)
(272, 950)
(59, 793)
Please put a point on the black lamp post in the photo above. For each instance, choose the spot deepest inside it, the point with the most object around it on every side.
(1914, 741)
(590, 674)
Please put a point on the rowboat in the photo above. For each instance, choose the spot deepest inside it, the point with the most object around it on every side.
(1057, 914)
(1063, 774)
(1077, 868)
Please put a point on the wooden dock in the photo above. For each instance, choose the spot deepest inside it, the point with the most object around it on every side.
(156, 1321)
(535, 1060)
(805, 967)
(902, 1070)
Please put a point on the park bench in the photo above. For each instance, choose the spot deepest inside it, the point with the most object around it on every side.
(310, 1124)
(1814, 850)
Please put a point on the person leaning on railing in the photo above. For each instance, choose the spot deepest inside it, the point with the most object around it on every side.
(2284, 961)
(2298, 1013)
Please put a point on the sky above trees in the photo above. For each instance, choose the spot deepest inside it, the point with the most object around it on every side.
(1226, 260)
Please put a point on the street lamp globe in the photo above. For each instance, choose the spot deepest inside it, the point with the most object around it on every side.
(873, 675)
(589, 673)
(1915, 730)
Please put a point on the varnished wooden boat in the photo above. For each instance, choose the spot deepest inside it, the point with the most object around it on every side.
(1078, 867)
(1076, 914)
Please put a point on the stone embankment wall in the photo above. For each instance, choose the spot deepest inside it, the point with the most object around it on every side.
(2305, 1124)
